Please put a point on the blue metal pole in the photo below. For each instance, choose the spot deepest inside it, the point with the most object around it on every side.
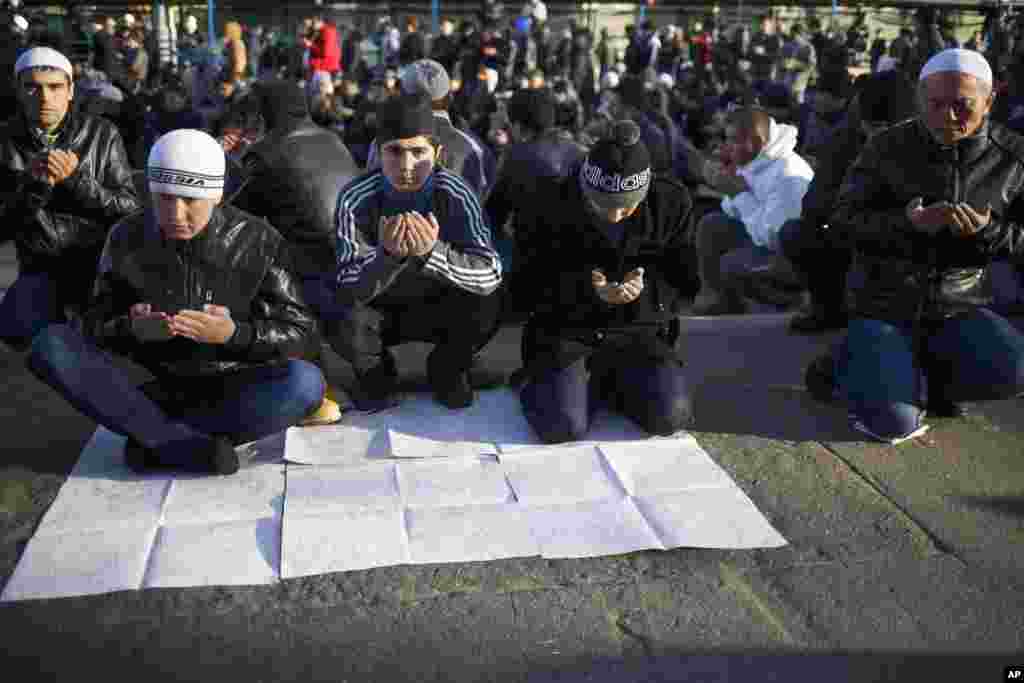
(211, 27)
(435, 16)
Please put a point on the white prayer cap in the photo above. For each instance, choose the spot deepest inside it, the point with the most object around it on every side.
(957, 59)
(610, 80)
(21, 23)
(187, 163)
(43, 56)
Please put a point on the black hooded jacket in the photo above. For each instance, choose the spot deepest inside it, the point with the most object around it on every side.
(293, 176)
(560, 246)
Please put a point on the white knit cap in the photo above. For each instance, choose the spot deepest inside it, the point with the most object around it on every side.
(43, 56)
(957, 59)
(187, 163)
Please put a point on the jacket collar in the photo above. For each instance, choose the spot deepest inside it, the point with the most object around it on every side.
(65, 130)
(967, 149)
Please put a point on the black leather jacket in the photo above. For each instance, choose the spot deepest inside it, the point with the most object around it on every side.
(293, 177)
(48, 223)
(907, 275)
(237, 262)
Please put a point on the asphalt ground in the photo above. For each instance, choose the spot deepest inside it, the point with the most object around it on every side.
(904, 562)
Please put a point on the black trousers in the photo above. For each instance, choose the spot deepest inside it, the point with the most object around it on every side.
(819, 260)
(458, 322)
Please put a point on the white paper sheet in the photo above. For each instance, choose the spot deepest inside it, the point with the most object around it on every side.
(81, 563)
(605, 426)
(708, 518)
(102, 493)
(312, 491)
(408, 445)
(560, 474)
(344, 540)
(590, 528)
(234, 553)
(447, 483)
(353, 442)
(252, 493)
(656, 466)
(110, 529)
(469, 533)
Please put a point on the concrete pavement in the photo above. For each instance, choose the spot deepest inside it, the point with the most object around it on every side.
(904, 562)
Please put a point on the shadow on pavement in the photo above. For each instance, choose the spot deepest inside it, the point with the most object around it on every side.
(785, 413)
(1009, 506)
(780, 668)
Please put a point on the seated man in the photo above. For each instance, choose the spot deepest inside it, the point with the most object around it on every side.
(415, 263)
(196, 293)
(775, 178)
(928, 205)
(292, 179)
(64, 180)
(817, 253)
(605, 247)
(539, 155)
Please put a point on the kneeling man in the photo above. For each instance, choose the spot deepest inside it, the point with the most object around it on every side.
(928, 205)
(604, 253)
(415, 263)
(198, 294)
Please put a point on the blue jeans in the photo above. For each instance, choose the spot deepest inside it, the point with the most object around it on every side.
(32, 303)
(245, 405)
(560, 405)
(975, 357)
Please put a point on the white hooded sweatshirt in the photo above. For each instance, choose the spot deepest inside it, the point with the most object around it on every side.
(778, 178)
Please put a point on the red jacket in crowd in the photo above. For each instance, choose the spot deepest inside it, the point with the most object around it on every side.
(325, 53)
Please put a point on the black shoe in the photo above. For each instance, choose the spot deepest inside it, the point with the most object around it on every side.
(222, 458)
(820, 378)
(818, 319)
(218, 457)
(139, 458)
(942, 407)
(451, 389)
(376, 389)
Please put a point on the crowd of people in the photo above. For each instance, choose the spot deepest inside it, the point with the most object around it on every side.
(225, 218)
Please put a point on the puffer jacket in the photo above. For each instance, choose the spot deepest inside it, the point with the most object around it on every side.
(238, 261)
(907, 274)
(293, 177)
(778, 178)
(562, 248)
(69, 219)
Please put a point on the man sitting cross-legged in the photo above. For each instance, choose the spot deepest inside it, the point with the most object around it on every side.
(415, 263)
(64, 180)
(199, 295)
(605, 250)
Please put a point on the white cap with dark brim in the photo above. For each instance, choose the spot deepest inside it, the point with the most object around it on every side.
(957, 59)
(43, 57)
(186, 163)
